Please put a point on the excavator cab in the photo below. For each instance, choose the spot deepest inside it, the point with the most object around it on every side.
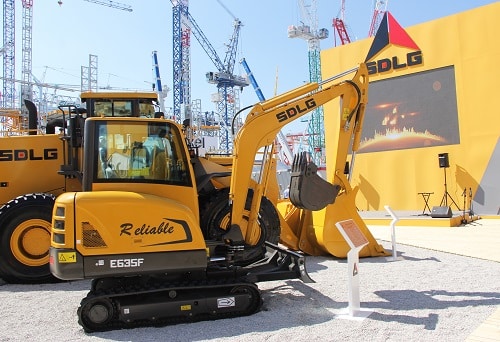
(136, 151)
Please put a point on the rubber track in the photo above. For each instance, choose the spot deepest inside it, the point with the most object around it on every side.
(196, 286)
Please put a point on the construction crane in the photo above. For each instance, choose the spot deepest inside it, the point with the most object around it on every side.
(285, 154)
(162, 93)
(181, 60)
(27, 34)
(340, 27)
(8, 52)
(112, 4)
(309, 32)
(88, 80)
(379, 9)
(109, 3)
(9, 65)
(227, 98)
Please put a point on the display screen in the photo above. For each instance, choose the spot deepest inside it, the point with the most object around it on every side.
(411, 111)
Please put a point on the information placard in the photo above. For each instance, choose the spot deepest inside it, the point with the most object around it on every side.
(354, 236)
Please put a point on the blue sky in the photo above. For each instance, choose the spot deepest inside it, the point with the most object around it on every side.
(64, 36)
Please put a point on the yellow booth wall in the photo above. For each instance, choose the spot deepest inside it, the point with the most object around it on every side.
(421, 112)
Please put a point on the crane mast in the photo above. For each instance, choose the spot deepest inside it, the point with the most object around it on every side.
(227, 98)
(379, 9)
(340, 27)
(27, 43)
(8, 50)
(181, 59)
(159, 88)
(312, 35)
(9, 66)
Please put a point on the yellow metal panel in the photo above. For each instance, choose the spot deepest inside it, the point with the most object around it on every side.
(20, 156)
(135, 223)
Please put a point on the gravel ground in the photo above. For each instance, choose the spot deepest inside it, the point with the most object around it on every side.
(425, 295)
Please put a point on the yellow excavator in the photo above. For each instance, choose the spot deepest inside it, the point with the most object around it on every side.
(168, 236)
(39, 160)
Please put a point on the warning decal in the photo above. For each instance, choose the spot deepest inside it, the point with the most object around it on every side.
(66, 257)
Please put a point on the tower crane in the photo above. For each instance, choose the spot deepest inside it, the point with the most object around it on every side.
(227, 103)
(26, 87)
(379, 9)
(8, 89)
(162, 93)
(312, 35)
(181, 60)
(108, 3)
(112, 4)
(8, 99)
(340, 27)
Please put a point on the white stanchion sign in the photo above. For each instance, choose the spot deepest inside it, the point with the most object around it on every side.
(395, 219)
(356, 241)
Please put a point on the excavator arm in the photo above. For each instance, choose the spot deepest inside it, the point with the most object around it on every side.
(267, 118)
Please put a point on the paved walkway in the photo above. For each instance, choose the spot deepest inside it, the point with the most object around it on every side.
(478, 239)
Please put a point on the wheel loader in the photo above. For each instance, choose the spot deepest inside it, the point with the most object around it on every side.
(37, 164)
(168, 236)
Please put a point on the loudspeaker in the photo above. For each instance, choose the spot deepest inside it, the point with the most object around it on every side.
(443, 160)
(441, 212)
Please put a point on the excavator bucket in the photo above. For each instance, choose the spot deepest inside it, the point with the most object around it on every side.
(315, 232)
(307, 189)
(309, 219)
(329, 237)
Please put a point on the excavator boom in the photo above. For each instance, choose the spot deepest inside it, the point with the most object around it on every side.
(309, 192)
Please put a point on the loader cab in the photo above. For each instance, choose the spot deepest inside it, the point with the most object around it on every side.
(120, 104)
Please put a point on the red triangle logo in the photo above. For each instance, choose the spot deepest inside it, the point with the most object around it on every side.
(397, 34)
(390, 33)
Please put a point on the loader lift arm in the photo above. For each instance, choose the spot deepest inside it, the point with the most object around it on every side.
(267, 118)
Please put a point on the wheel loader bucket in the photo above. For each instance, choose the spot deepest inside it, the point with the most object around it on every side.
(315, 232)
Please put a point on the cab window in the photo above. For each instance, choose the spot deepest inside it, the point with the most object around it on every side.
(149, 152)
(113, 108)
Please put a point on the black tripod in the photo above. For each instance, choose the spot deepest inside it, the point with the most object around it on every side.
(447, 194)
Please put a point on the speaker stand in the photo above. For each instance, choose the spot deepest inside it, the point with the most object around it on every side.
(444, 200)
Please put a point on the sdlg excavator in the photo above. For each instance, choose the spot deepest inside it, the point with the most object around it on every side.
(168, 236)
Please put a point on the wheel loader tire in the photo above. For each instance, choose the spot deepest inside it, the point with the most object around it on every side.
(215, 220)
(25, 239)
